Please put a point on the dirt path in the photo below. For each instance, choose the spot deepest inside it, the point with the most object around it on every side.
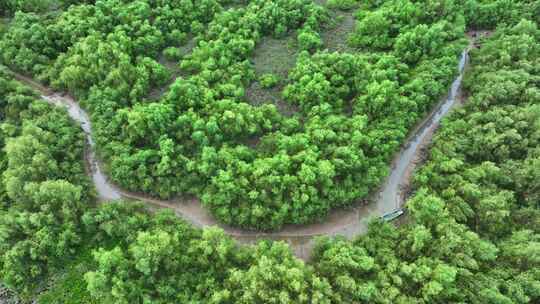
(347, 222)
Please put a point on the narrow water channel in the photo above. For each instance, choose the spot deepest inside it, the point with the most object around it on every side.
(106, 190)
(391, 195)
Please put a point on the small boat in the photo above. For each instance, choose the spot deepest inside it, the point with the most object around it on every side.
(387, 217)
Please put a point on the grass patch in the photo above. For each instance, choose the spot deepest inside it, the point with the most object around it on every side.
(336, 35)
(278, 57)
(257, 95)
(70, 287)
(275, 56)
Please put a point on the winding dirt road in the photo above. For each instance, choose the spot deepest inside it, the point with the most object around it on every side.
(347, 222)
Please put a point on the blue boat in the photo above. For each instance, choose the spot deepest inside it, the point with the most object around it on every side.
(387, 217)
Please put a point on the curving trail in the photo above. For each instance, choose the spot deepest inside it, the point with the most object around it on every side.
(347, 222)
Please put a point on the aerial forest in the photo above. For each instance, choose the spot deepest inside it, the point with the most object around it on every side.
(183, 105)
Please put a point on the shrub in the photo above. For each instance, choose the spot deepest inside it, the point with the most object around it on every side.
(269, 80)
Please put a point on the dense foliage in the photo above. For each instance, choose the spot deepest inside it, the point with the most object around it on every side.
(9, 7)
(250, 165)
(484, 14)
(45, 219)
(474, 233)
(43, 188)
(160, 259)
(156, 259)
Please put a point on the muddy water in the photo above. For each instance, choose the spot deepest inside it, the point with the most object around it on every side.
(349, 223)
(106, 191)
(390, 197)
